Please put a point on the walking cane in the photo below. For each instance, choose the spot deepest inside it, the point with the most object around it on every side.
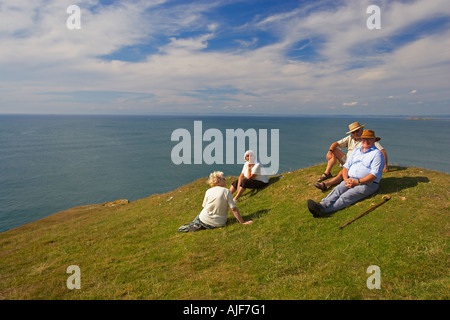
(385, 198)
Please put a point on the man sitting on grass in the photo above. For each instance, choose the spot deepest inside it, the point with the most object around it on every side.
(361, 175)
(335, 155)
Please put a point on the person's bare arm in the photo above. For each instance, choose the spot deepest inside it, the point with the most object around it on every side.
(333, 146)
(238, 216)
(250, 175)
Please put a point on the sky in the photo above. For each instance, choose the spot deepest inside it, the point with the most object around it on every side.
(225, 57)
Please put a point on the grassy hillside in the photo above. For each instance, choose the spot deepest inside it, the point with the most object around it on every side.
(133, 251)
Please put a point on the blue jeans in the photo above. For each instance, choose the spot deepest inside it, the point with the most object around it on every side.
(341, 196)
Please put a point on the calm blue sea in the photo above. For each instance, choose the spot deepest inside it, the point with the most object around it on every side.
(50, 163)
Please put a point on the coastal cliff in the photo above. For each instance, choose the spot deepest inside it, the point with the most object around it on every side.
(132, 250)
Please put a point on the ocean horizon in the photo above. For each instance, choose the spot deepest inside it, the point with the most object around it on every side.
(51, 163)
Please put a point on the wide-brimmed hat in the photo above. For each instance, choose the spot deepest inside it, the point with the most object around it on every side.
(355, 126)
(369, 134)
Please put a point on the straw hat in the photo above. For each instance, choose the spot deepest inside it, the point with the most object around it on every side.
(369, 134)
(355, 126)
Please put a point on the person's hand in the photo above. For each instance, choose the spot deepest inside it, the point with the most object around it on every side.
(330, 155)
(350, 183)
(386, 169)
(248, 222)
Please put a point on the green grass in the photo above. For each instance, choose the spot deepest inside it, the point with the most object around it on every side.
(134, 252)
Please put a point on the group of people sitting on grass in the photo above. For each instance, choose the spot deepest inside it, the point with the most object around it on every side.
(362, 169)
(219, 199)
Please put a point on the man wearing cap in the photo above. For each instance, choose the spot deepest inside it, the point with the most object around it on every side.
(361, 175)
(334, 155)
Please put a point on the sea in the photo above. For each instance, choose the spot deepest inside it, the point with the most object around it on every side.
(50, 163)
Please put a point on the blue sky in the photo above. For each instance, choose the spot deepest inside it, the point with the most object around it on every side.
(225, 56)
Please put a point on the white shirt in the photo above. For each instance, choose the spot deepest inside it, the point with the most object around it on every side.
(257, 170)
(216, 203)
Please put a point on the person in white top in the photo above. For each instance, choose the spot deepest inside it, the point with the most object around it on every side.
(335, 155)
(216, 203)
(252, 176)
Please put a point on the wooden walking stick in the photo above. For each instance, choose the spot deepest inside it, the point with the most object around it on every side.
(385, 198)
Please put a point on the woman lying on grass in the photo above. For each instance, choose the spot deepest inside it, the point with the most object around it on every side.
(215, 207)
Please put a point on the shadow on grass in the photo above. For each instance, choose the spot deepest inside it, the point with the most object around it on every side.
(252, 216)
(393, 184)
(253, 192)
(396, 168)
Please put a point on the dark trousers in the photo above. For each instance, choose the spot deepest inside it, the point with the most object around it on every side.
(249, 184)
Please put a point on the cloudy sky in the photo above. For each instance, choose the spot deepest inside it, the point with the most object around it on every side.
(225, 56)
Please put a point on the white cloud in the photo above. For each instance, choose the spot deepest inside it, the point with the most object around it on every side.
(190, 44)
(40, 55)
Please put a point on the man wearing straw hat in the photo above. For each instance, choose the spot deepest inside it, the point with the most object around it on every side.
(361, 175)
(335, 154)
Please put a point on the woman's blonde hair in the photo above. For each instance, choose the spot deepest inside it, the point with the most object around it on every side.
(214, 178)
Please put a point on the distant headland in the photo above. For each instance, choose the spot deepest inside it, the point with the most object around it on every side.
(420, 118)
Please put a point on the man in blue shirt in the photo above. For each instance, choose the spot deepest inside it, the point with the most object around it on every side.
(361, 173)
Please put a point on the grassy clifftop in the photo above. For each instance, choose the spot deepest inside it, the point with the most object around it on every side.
(133, 251)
